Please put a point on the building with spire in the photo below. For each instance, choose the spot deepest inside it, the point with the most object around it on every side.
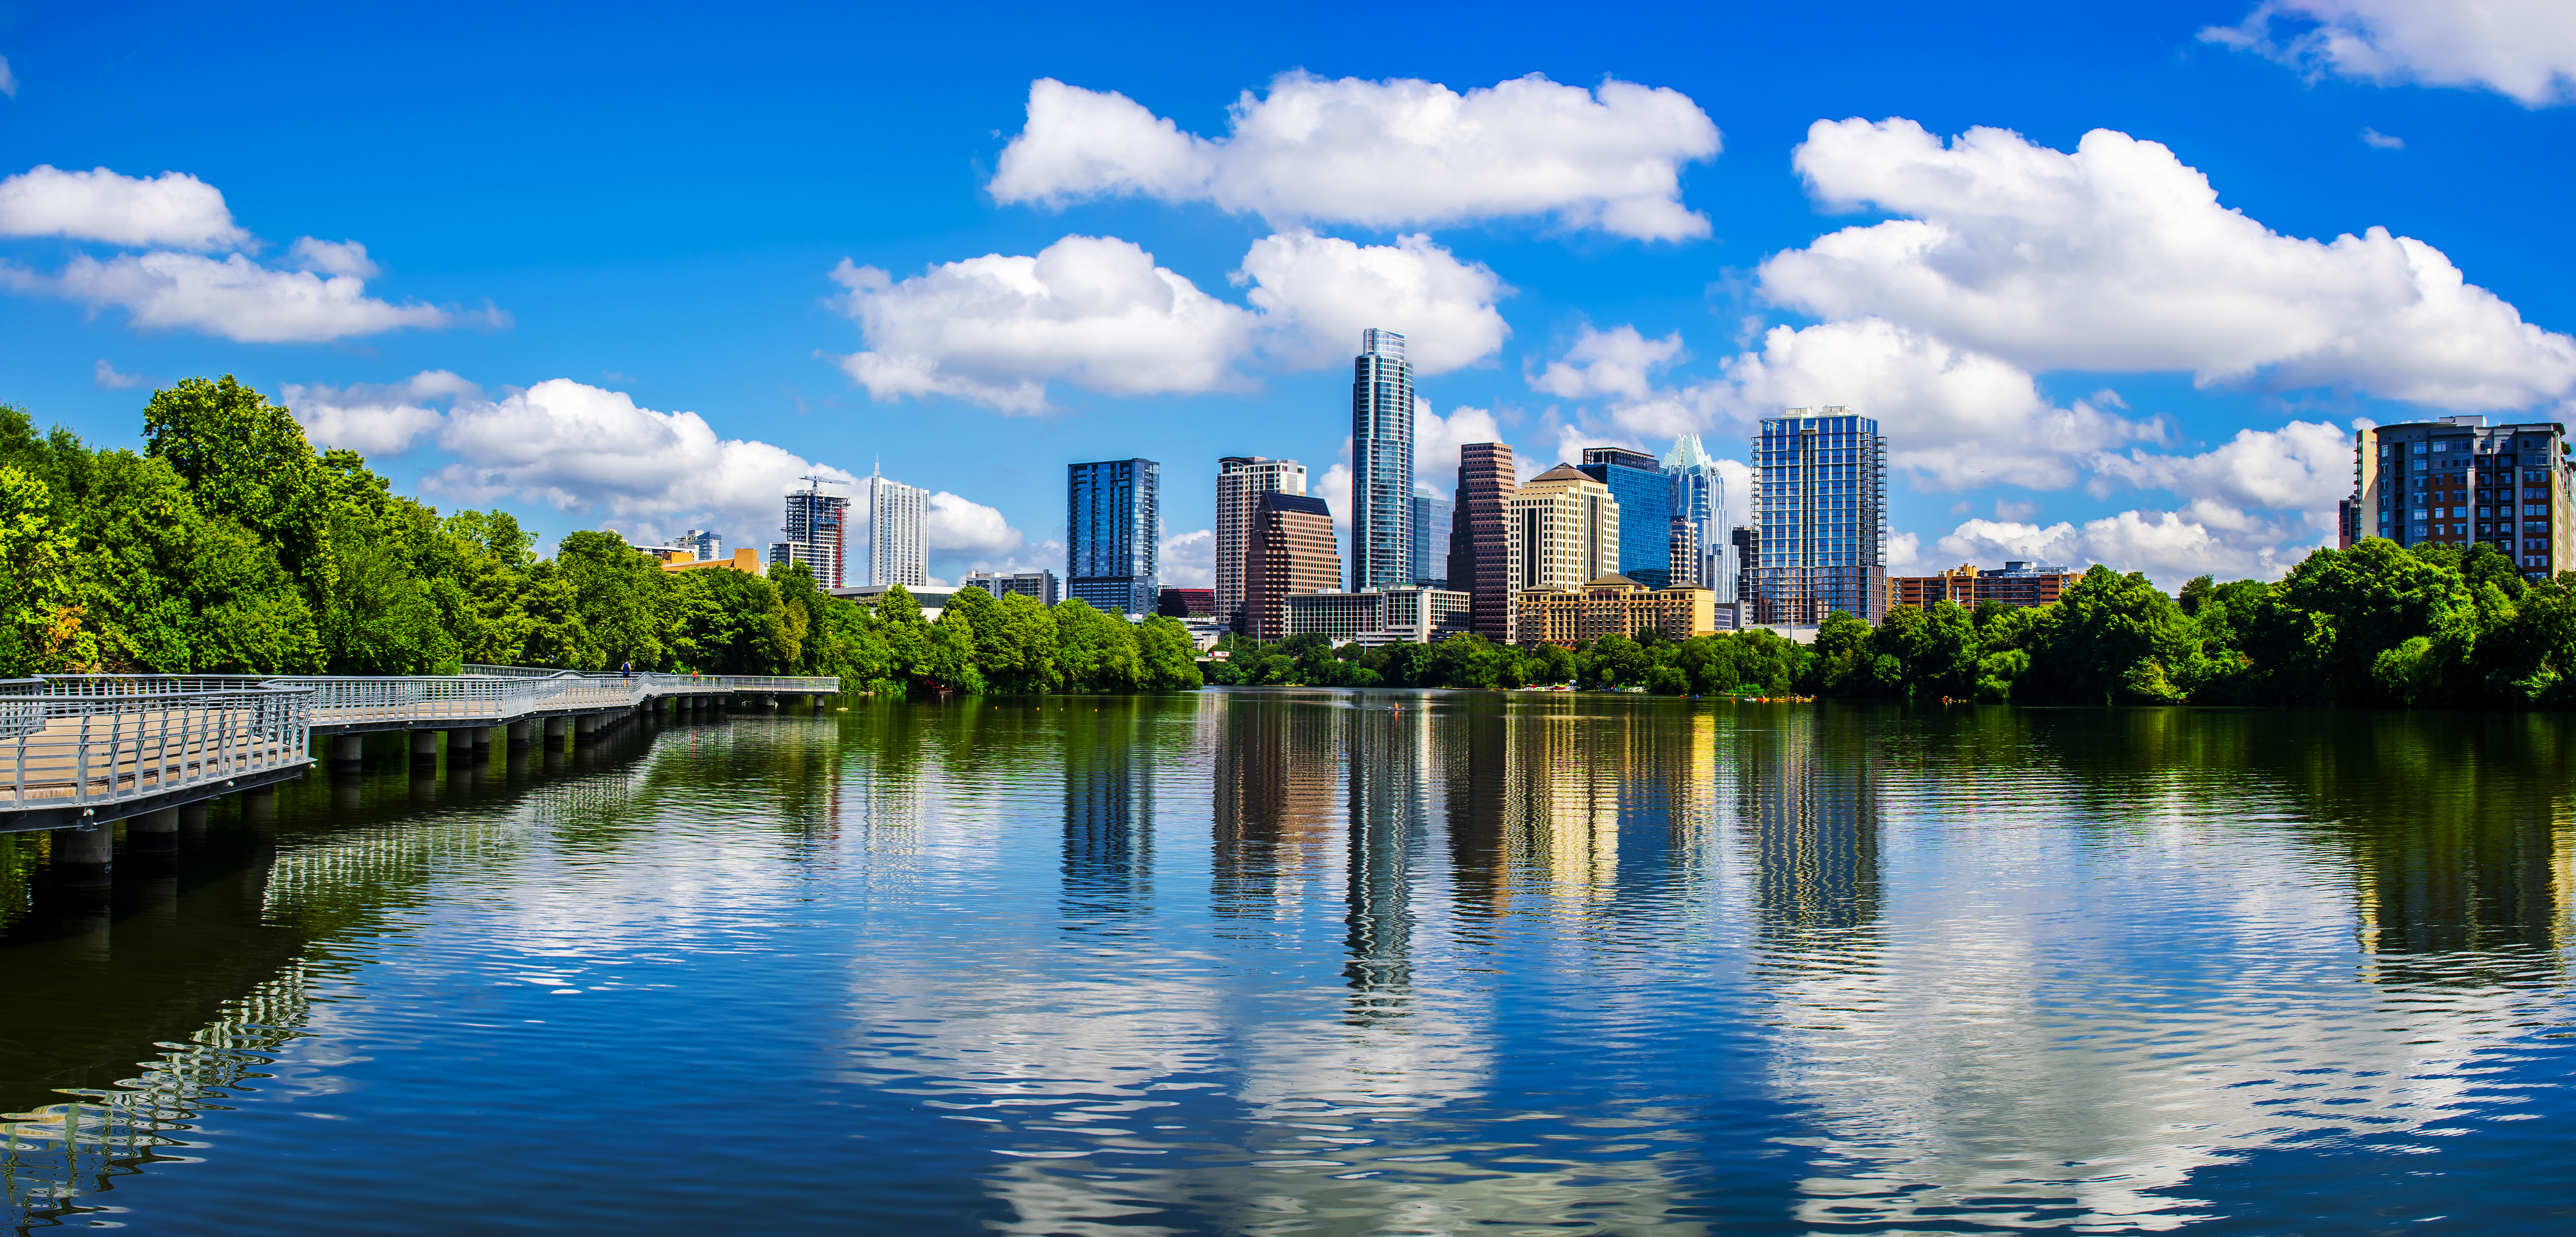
(1381, 462)
(896, 516)
(1241, 480)
(1699, 500)
(1480, 537)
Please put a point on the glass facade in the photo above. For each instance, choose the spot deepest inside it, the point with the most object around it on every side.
(817, 533)
(1645, 497)
(2459, 481)
(1381, 462)
(1819, 509)
(1699, 499)
(1113, 533)
(1431, 515)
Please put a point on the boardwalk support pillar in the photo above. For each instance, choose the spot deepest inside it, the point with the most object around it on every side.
(153, 830)
(519, 737)
(460, 748)
(81, 855)
(424, 747)
(348, 753)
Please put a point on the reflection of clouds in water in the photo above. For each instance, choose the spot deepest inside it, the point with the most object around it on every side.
(1997, 1059)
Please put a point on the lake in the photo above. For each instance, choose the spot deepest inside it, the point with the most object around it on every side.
(1288, 961)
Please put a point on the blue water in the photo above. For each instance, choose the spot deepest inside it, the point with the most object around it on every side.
(1274, 962)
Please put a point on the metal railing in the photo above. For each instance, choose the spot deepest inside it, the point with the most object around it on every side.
(432, 701)
(84, 747)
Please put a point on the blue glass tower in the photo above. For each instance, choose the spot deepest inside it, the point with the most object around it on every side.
(1431, 520)
(1645, 498)
(1819, 507)
(1381, 463)
(1113, 530)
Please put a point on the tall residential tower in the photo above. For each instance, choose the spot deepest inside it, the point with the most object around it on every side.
(1819, 508)
(2458, 481)
(1241, 480)
(1113, 530)
(817, 533)
(1480, 536)
(1381, 462)
(896, 552)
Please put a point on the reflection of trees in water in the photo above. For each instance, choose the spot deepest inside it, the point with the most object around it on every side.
(227, 969)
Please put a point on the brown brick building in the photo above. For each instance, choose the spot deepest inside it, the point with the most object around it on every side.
(1291, 551)
(1480, 538)
(2017, 584)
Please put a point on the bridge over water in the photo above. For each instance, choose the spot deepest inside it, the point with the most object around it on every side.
(78, 752)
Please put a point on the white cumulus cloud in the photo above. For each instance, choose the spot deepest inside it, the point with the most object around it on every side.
(1619, 361)
(1188, 559)
(1096, 313)
(105, 378)
(376, 418)
(1436, 440)
(2523, 49)
(2120, 257)
(234, 298)
(2169, 547)
(173, 209)
(8, 80)
(1092, 311)
(962, 526)
(1316, 293)
(1381, 154)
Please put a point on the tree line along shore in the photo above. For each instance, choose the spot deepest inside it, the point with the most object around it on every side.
(228, 545)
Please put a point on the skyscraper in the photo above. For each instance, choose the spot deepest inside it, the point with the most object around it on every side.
(1292, 552)
(1819, 506)
(1381, 462)
(1565, 531)
(1480, 538)
(1645, 497)
(1241, 480)
(817, 533)
(896, 513)
(1431, 520)
(1699, 496)
(1113, 531)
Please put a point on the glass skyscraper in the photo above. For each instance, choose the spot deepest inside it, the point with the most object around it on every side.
(817, 533)
(1431, 517)
(1645, 498)
(1699, 498)
(1819, 505)
(1381, 462)
(1113, 531)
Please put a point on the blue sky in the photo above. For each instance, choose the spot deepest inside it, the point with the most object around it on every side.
(598, 278)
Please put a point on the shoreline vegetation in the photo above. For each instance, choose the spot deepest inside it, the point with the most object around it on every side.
(228, 545)
(2375, 625)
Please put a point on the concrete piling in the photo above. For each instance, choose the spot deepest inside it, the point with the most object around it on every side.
(519, 734)
(348, 753)
(153, 830)
(424, 747)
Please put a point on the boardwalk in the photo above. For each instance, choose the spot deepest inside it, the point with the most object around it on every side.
(79, 749)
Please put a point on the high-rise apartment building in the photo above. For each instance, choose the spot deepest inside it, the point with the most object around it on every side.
(1745, 545)
(1819, 501)
(1381, 462)
(1480, 536)
(1645, 497)
(2459, 481)
(1432, 516)
(896, 516)
(1699, 497)
(1241, 480)
(1292, 552)
(817, 534)
(1113, 531)
(1565, 532)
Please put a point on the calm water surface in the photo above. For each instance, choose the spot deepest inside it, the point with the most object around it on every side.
(1319, 962)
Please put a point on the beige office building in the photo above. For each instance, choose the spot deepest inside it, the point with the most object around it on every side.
(1241, 480)
(1564, 532)
(1614, 605)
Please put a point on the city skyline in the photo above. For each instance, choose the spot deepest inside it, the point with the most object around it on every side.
(2217, 250)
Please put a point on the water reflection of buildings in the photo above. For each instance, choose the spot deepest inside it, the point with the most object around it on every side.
(2476, 895)
(1808, 805)
(1276, 776)
(1388, 833)
(1108, 818)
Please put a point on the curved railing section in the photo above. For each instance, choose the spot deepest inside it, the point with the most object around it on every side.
(69, 745)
